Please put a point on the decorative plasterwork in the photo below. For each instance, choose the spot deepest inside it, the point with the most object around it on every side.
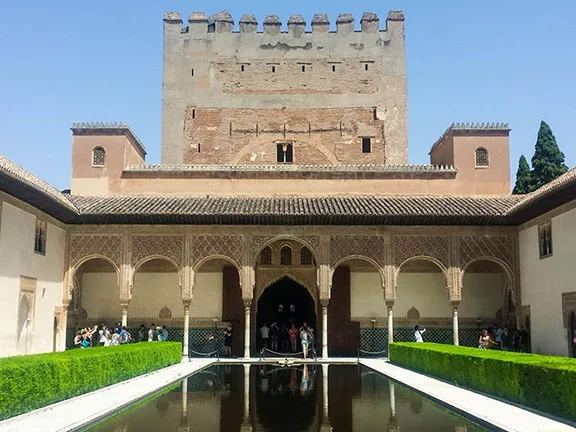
(371, 247)
(485, 246)
(223, 246)
(171, 247)
(568, 306)
(304, 277)
(95, 245)
(435, 247)
(310, 241)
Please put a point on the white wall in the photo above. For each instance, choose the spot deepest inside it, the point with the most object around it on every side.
(481, 296)
(17, 258)
(544, 280)
(151, 293)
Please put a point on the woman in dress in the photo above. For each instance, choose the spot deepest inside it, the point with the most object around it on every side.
(228, 341)
(293, 333)
(304, 340)
(484, 341)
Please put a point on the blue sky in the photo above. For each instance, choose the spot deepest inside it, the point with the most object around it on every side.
(491, 61)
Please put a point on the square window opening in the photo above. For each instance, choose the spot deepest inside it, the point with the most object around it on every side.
(366, 145)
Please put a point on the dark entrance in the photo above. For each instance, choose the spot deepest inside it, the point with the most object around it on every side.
(285, 302)
(572, 334)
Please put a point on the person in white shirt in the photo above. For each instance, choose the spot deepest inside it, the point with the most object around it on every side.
(264, 334)
(418, 333)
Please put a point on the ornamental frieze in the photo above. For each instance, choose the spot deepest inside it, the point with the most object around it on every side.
(406, 247)
(312, 242)
(369, 246)
(204, 246)
(86, 245)
(168, 246)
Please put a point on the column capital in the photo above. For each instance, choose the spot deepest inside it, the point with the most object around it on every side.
(455, 304)
(247, 302)
(186, 303)
(124, 303)
(324, 302)
(389, 303)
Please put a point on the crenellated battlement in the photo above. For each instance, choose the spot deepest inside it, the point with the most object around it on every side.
(223, 22)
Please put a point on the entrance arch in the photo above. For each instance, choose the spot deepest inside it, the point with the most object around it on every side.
(286, 302)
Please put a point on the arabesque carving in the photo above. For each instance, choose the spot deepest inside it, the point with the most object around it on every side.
(367, 246)
(475, 247)
(406, 247)
(169, 246)
(204, 246)
(84, 245)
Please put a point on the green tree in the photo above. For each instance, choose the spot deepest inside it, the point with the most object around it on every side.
(548, 160)
(523, 177)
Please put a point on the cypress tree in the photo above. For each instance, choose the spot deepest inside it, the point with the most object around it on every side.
(548, 160)
(523, 178)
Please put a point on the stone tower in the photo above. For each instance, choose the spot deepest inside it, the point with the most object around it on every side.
(284, 96)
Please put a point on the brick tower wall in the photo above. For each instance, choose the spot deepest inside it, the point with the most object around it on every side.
(230, 97)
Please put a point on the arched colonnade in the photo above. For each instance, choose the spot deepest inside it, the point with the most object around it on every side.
(313, 260)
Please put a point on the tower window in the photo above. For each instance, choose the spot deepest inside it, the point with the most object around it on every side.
(193, 113)
(305, 256)
(303, 68)
(333, 68)
(284, 153)
(98, 156)
(198, 147)
(273, 69)
(266, 256)
(286, 255)
(40, 237)
(481, 157)
(366, 145)
(242, 68)
(365, 66)
(191, 72)
(545, 239)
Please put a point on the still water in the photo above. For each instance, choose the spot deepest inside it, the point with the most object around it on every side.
(295, 398)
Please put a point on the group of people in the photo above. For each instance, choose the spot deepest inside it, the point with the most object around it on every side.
(104, 335)
(499, 338)
(284, 338)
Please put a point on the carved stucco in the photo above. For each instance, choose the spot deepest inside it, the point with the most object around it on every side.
(311, 241)
(435, 247)
(267, 277)
(371, 247)
(226, 246)
(83, 246)
(171, 247)
(487, 246)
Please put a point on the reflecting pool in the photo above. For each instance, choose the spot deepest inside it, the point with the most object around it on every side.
(311, 397)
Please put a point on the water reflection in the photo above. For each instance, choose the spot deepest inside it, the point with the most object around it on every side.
(309, 397)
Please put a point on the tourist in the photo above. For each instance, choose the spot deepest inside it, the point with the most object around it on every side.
(78, 338)
(293, 333)
(118, 328)
(498, 337)
(115, 338)
(103, 335)
(274, 334)
(264, 334)
(312, 337)
(418, 333)
(284, 339)
(484, 340)
(125, 336)
(164, 333)
(228, 341)
(152, 336)
(506, 340)
(304, 340)
(142, 334)
(158, 335)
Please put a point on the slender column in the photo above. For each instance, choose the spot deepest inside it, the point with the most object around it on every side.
(124, 314)
(393, 425)
(325, 391)
(184, 414)
(455, 322)
(324, 328)
(186, 327)
(247, 305)
(389, 305)
(246, 393)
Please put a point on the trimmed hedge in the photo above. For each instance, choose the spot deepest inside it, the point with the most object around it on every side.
(544, 383)
(34, 381)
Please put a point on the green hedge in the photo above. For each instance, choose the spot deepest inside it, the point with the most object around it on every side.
(35, 381)
(545, 383)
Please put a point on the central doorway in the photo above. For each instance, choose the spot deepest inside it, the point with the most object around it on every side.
(285, 302)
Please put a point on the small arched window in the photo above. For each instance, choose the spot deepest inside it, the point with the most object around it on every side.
(98, 156)
(305, 256)
(266, 256)
(286, 255)
(289, 155)
(481, 157)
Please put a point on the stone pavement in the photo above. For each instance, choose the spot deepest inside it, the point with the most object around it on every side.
(504, 416)
(90, 407)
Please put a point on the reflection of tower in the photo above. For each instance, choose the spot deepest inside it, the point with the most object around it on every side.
(393, 425)
(246, 423)
(184, 426)
(326, 426)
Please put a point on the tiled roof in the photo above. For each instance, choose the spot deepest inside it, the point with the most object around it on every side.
(10, 170)
(429, 210)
